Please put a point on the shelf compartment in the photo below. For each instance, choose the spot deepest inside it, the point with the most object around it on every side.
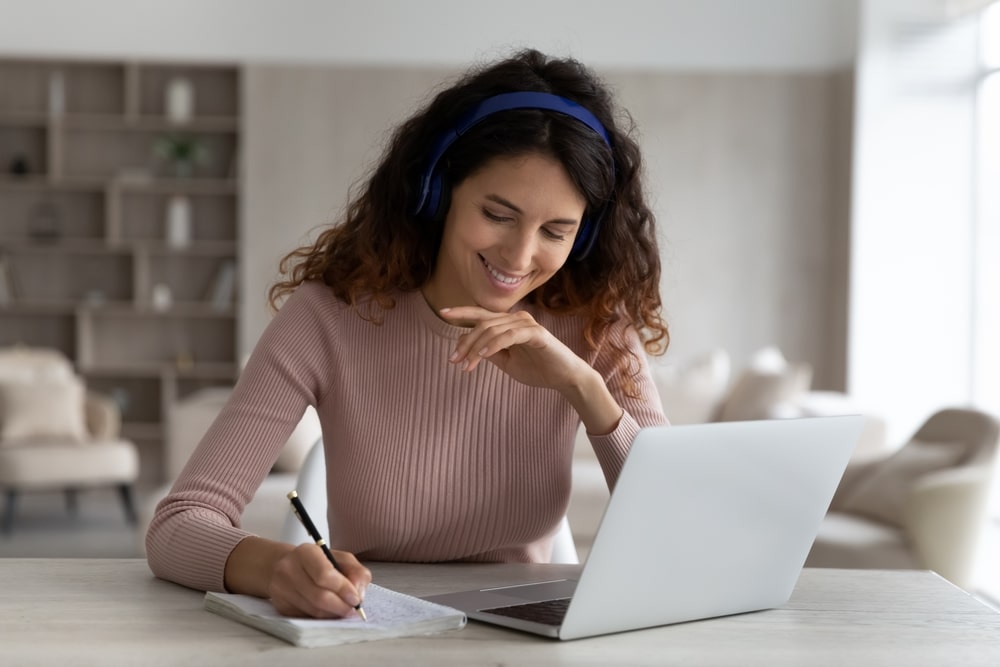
(103, 153)
(192, 278)
(145, 341)
(137, 398)
(144, 213)
(27, 147)
(38, 329)
(216, 88)
(91, 87)
(40, 274)
(77, 214)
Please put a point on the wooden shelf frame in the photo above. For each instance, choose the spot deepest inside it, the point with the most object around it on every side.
(84, 132)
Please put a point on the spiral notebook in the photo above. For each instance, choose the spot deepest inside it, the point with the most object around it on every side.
(390, 614)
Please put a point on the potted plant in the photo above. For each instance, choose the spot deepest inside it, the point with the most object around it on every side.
(183, 152)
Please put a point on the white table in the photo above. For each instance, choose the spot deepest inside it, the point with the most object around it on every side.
(114, 612)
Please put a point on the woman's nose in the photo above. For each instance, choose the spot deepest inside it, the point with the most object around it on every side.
(518, 249)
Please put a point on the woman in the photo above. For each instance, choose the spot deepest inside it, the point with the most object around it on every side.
(493, 285)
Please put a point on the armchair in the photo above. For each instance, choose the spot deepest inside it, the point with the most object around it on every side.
(56, 434)
(922, 507)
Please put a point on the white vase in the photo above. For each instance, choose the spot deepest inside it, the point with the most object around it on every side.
(161, 297)
(180, 100)
(178, 221)
(57, 94)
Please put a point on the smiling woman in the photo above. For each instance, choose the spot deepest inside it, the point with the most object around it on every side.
(509, 228)
(493, 285)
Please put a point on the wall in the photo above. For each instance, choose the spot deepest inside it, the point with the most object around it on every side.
(745, 172)
(743, 109)
(657, 34)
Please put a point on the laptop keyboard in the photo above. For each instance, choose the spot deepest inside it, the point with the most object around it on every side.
(549, 612)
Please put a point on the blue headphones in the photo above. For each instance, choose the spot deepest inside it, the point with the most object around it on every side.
(432, 190)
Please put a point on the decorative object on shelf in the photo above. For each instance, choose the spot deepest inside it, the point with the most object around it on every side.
(57, 94)
(179, 100)
(19, 165)
(224, 288)
(122, 398)
(184, 360)
(178, 221)
(182, 152)
(95, 297)
(44, 223)
(161, 297)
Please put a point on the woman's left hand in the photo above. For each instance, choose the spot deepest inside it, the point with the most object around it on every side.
(517, 345)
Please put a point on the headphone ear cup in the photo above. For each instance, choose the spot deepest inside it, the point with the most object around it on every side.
(583, 240)
(436, 198)
(443, 201)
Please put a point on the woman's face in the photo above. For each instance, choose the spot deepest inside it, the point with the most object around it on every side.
(509, 228)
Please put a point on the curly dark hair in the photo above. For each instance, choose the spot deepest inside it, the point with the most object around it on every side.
(382, 247)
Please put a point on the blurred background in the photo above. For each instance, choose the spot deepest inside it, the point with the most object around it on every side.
(823, 174)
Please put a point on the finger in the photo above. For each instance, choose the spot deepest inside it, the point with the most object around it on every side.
(333, 588)
(354, 571)
(467, 314)
(314, 604)
(483, 340)
(304, 586)
(501, 339)
(325, 576)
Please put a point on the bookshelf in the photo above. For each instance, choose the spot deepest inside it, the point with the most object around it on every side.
(91, 262)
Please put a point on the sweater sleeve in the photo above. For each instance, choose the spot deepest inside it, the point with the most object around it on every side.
(197, 524)
(642, 410)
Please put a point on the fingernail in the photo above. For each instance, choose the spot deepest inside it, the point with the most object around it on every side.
(363, 591)
(445, 310)
(454, 356)
(352, 600)
(482, 352)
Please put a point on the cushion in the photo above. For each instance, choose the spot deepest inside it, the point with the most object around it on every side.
(763, 393)
(881, 493)
(37, 410)
(691, 393)
(29, 364)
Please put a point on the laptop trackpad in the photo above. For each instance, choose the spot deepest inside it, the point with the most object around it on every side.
(546, 590)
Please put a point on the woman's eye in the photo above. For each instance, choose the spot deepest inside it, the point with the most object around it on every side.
(494, 216)
(555, 236)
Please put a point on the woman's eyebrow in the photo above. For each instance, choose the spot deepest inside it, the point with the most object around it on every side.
(503, 202)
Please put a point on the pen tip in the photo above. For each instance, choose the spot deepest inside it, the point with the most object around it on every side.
(361, 613)
(292, 494)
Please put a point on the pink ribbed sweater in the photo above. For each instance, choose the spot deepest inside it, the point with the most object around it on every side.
(424, 461)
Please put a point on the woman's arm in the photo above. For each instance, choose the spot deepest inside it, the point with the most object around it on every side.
(196, 527)
(527, 351)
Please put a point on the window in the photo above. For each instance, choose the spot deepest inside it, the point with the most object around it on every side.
(986, 344)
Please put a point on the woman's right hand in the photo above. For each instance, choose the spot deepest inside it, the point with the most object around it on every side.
(299, 580)
(304, 583)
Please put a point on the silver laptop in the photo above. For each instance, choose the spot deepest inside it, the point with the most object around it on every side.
(705, 520)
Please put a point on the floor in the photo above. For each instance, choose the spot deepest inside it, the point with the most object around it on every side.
(43, 528)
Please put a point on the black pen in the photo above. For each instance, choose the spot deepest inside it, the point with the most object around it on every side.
(300, 512)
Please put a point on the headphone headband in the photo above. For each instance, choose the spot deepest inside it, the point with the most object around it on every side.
(431, 187)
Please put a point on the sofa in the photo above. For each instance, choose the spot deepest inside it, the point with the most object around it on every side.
(704, 389)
